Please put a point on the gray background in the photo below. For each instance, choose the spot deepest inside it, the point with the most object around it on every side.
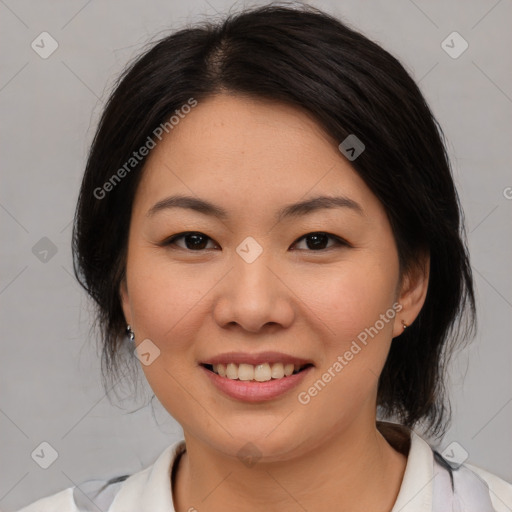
(50, 386)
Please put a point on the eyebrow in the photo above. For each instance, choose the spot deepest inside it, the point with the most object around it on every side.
(291, 210)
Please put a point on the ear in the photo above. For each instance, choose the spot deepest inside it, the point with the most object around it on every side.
(125, 301)
(412, 294)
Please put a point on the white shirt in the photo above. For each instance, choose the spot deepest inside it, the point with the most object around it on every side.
(426, 487)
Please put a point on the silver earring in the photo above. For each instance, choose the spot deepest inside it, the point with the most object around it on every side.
(131, 334)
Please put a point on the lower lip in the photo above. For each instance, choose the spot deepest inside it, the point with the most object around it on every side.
(253, 391)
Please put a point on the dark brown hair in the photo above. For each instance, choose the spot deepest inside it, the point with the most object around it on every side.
(303, 57)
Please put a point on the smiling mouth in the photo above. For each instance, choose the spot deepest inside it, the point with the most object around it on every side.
(257, 373)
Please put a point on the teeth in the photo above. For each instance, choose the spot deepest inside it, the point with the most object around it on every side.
(288, 369)
(260, 373)
(220, 369)
(231, 371)
(277, 371)
(245, 372)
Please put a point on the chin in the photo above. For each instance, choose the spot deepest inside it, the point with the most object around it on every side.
(265, 444)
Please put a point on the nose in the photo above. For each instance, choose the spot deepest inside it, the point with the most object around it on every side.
(254, 296)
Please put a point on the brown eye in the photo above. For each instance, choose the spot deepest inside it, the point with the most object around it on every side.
(318, 241)
(194, 241)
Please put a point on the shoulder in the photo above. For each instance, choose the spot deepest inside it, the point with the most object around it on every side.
(100, 493)
(433, 483)
(471, 486)
(61, 502)
(499, 489)
(119, 493)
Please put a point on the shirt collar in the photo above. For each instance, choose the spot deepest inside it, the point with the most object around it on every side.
(149, 490)
(417, 486)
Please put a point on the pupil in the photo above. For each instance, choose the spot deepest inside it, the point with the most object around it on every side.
(319, 240)
(197, 243)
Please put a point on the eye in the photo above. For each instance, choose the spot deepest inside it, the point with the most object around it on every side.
(194, 240)
(316, 241)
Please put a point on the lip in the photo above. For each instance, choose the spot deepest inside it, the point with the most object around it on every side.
(254, 359)
(252, 391)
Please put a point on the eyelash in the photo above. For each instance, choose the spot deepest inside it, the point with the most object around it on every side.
(339, 241)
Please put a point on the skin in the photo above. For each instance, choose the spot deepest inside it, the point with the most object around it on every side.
(252, 157)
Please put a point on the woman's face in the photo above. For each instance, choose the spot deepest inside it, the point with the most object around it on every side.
(309, 284)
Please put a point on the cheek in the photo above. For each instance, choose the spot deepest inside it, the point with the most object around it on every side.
(355, 304)
(164, 302)
(357, 308)
(350, 299)
(167, 308)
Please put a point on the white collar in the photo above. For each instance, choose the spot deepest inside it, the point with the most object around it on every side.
(149, 490)
(417, 486)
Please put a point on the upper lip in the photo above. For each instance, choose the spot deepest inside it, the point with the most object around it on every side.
(255, 359)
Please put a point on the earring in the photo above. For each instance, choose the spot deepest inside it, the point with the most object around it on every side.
(404, 325)
(131, 334)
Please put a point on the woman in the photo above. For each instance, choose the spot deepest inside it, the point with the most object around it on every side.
(268, 221)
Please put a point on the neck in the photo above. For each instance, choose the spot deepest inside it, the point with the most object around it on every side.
(334, 475)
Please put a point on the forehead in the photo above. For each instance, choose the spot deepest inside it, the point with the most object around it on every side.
(241, 149)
